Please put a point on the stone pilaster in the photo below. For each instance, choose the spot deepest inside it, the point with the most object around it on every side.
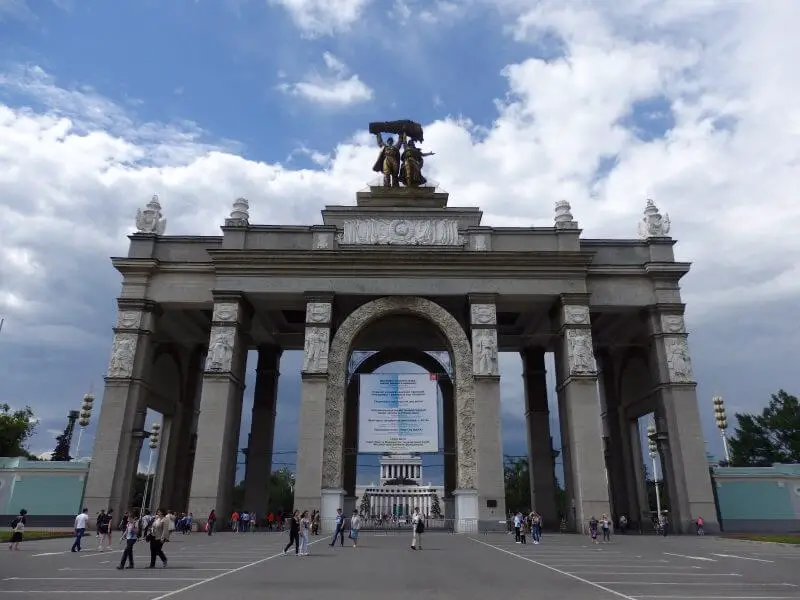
(681, 440)
(579, 415)
(310, 479)
(120, 426)
(220, 409)
(541, 461)
(262, 430)
(488, 438)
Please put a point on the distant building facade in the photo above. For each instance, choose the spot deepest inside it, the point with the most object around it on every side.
(401, 489)
(759, 499)
(51, 492)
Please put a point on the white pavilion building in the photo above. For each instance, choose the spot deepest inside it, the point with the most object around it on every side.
(401, 489)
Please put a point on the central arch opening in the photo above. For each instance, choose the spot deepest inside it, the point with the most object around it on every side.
(386, 487)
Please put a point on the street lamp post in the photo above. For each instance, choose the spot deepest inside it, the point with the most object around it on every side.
(721, 418)
(84, 418)
(652, 446)
(154, 435)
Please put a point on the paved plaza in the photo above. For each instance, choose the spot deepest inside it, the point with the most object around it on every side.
(563, 567)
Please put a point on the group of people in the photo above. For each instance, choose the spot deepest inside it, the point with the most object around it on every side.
(527, 524)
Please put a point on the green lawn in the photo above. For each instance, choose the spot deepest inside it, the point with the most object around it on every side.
(779, 538)
(36, 535)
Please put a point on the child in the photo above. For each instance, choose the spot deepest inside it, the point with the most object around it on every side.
(523, 530)
(17, 528)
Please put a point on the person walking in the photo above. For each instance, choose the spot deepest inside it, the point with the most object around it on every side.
(17, 530)
(605, 523)
(355, 526)
(157, 535)
(294, 533)
(339, 531)
(212, 520)
(305, 526)
(593, 524)
(104, 524)
(130, 535)
(81, 522)
(418, 526)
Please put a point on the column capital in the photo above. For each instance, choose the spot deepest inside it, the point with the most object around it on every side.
(312, 296)
(574, 299)
(139, 304)
(482, 298)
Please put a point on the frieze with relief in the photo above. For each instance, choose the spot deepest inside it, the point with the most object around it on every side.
(401, 232)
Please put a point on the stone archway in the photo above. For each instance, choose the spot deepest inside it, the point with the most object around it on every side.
(461, 356)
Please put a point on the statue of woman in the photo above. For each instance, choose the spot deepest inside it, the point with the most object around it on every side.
(412, 160)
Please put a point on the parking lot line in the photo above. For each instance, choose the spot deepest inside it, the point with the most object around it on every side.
(697, 583)
(108, 569)
(101, 578)
(722, 597)
(743, 557)
(554, 569)
(82, 592)
(666, 573)
(691, 557)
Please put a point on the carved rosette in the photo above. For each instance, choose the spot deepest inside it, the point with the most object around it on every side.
(318, 312)
(321, 241)
(123, 353)
(464, 383)
(576, 315)
(484, 352)
(679, 362)
(580, 353)
(226, 312)
(483, 314)
(129, 319)
(672, 324)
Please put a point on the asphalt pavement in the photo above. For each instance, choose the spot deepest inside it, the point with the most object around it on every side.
(562, 567)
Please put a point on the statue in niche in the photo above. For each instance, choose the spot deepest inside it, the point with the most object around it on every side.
(315, 354)
(220, 352)
(122, 355)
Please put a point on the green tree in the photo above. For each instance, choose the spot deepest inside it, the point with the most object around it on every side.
(771, 437)
(436, 509)
(517, 484)
(281, 491)
(16, 427)
(364, 508)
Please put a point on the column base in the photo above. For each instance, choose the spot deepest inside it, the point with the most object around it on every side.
(466, 511)
(332, 499)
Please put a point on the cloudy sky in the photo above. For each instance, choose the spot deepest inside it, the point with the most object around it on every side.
(692, 103)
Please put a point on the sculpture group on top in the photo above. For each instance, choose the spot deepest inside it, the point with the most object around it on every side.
(397, 168)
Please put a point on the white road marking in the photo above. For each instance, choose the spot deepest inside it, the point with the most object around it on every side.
(236, 570)
(724, 597)
(716, 583)
(554, 569)
(50, 553)
(691, 557)
(106, 569)
(743, 557)
(101, 579)
(666, 573)
(82, 592)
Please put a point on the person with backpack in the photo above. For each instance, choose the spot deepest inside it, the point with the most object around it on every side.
(418, 526)
(17, 530)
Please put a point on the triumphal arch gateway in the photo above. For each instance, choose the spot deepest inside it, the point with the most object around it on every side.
(405, 274)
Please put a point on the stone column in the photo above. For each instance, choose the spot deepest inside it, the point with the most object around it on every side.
(681, 440)
(614, 444)
(540, 446)
(488, 438)
(262, 430)
(579, 414)
(220, 410)
(119, 436)
(308, 492)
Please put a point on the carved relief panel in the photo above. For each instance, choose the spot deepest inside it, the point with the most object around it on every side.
(315, 350)
(484, 314)
(580, 353)
(129, 319)
(123, 353)
(484, 352)
(679, 363)
(576, 315)
(318, 312)
(226, 312)
(221, 346)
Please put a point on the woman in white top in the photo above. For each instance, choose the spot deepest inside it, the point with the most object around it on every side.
(418, 526)
(355, 526)
(305, 524)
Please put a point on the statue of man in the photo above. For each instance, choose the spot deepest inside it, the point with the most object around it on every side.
(388, 161)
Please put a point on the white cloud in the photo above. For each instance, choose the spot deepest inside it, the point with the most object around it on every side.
(74, 167)
(323, 17)
(332, 89)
